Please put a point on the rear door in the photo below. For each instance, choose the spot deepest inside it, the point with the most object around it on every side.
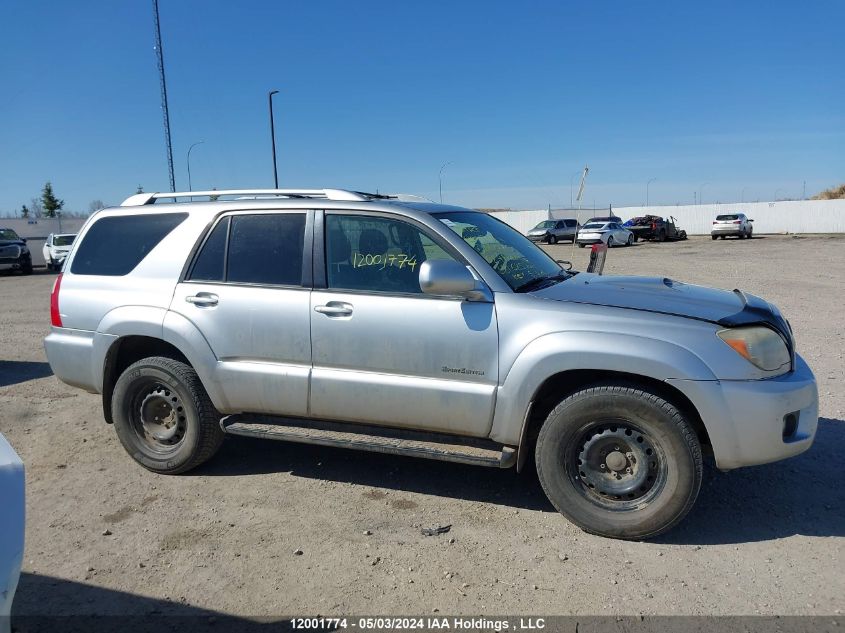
(383, 351)
(247, 291)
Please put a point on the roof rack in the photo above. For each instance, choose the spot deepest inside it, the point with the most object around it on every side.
(140, 199)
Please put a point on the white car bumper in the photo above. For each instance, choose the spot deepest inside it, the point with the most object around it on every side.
(12, 524)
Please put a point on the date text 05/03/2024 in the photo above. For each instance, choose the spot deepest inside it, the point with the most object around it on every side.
(419, 623)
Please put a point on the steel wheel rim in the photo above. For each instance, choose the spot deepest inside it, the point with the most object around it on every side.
(615, 464)
(158, 416)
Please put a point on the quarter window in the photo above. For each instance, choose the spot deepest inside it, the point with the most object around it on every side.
(377, 254)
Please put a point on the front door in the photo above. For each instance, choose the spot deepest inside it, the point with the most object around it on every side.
(384, 352)
(245, 294)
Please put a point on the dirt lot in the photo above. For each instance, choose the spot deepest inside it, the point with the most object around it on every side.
(105, 536)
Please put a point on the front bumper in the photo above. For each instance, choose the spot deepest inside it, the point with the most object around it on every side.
(746, 419)
(539, 238)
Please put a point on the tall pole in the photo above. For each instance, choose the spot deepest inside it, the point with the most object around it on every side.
(440, 179)
(646, 190)
(273, 138)
(189, 163)
(160, 57)
(571, 178)
(701, 192)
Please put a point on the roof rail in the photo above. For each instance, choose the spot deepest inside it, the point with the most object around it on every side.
(140, 199)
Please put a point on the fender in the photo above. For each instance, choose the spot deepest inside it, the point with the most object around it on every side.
(551, 354)
(122, 321)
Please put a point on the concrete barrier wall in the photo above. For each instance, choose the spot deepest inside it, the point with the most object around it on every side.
(793, 216)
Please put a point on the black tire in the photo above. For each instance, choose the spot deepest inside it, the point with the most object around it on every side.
(167, 387)
(722, 236)
(630, 240)
(714, 237)
(661, 236)
(552, 239)
(26, 267)
(610, 241)
(627, 424)
(581, 245)
(636, 238)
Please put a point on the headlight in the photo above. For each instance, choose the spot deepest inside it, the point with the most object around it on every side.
(759, 345)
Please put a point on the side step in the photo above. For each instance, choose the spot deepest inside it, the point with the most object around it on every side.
(450, 448)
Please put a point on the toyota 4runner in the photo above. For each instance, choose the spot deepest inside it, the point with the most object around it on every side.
(392, 324)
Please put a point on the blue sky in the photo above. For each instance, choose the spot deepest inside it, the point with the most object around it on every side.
(745, 98)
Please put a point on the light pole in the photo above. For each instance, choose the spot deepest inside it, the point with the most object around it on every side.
(189, 162)
(440, 178)
(700, 192)
(646, 190)
(273, 137)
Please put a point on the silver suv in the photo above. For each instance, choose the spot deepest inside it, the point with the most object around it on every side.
(553, 231)
(732, 224)
(391, 324)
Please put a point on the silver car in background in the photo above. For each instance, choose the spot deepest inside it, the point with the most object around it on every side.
(736, 224)
(554, 231)
(610, 233)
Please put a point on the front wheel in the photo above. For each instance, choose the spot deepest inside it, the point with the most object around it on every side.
(610, 242)
(630, 240)
(619, 461)
(553, 239)
(581, 245)
(164, 417)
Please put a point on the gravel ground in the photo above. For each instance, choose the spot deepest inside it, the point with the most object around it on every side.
(269, 528)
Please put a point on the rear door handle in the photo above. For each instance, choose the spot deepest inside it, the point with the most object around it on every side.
(334, 309)
(203, 299)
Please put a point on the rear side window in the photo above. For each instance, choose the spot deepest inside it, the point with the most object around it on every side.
(114, 246)
(253, 249)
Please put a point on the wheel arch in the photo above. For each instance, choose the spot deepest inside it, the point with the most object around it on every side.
(563, 384)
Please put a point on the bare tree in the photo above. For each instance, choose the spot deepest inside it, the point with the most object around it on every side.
(36, 210)
(95, 205)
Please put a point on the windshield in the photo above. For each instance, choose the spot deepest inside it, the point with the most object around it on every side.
(512, 255)
(63, 240)
(548, 224)
(727, 217)
(8, 234)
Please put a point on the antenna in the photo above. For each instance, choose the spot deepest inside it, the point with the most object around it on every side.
(160, 58)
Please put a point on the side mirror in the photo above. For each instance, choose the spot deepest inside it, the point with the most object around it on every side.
(23, 239)
(750, 220)
(448, 277)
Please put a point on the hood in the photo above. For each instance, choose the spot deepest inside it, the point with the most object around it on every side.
(538, 231)
(652, 294)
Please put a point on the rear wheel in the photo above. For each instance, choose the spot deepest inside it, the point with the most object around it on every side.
(164, 417)
(714, 237)
(619, 461)
(553, 239)
(661, 236)
(26, 267)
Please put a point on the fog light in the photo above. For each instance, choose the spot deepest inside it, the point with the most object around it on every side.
(790, 424)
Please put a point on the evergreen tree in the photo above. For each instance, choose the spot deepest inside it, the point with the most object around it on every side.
(50, 202)
(24, 211)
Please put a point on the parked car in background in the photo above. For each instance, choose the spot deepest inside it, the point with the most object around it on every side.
(654, 227)
(553, 231)
(56, 249)
(14, 253)
(610, 233)
(603, 219)
(12, 515)
(732, 224)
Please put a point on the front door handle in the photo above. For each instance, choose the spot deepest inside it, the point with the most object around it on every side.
(335, 309)
(203, 299)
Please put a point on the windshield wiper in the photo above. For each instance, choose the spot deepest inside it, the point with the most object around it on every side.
(539, 282)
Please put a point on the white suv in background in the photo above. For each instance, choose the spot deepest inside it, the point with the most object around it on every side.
(56, 249)
(732, 224)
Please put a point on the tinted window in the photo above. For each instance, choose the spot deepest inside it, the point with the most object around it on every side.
(113, 246)
(209, 265)
(63, 240)
(376, 254)
(8, 234)
(266, 249)
(570, 223)
(727, 217)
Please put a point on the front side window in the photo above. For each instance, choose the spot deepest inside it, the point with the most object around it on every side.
(513, 256)
(376, 254)
(261, 248)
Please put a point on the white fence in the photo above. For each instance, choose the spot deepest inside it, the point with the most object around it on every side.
(792, 216)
